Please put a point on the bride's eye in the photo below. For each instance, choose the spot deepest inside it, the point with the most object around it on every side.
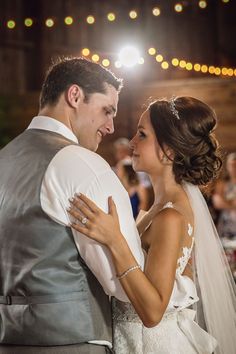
(141, 134)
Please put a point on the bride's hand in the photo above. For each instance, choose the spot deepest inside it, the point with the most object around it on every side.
(94, 222)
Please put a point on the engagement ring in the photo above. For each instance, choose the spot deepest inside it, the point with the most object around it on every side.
(84, 221)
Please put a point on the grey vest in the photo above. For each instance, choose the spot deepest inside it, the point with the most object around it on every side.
(48, 296)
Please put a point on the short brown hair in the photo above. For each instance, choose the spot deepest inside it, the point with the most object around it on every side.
(91, 77)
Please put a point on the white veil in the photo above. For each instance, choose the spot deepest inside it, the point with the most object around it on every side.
(214, 280)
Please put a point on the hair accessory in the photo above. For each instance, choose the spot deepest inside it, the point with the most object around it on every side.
(173, 108)
(122, 275)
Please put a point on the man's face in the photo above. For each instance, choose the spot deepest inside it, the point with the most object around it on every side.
(94, 119)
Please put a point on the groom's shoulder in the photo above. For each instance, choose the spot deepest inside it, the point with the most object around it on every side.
(79, 156)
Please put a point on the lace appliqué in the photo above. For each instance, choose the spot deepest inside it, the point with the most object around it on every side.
(187, 251)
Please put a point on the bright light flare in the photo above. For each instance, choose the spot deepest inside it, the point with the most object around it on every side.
(129, 56)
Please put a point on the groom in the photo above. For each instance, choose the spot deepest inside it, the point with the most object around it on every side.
(55, 283)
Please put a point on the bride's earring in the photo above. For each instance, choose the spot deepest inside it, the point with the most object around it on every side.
(165, 160)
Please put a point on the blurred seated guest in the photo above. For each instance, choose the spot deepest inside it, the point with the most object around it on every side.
(130, 180)
(224, 199)
(122, 151)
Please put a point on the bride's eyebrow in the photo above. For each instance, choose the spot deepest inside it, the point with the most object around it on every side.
(141, 127)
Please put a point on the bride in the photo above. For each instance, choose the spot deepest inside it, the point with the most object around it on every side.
(184, 301)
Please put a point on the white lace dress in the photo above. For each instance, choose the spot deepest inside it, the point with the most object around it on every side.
(177, 333)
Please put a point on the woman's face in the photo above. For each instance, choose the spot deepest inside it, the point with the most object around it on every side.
(146, 150)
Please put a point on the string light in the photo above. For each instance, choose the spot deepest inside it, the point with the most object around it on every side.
(197, 67)
(49, 22)
(95, 57)
(105, 62)
(175, 62)
(68, 20)
(141, 61)
(225, 1)
(164, 65)
(178, 7)
(90, 20)
(202, 4)
(118, 64)
(111, 16)
(189, 66)
(159, 58)
(211, 69)
(152, 51)
(11, 24)
(28, 22)
(156, 11)
(182, 64)
(85, 52)
(133, 15)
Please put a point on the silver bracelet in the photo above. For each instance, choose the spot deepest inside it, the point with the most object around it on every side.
(122, 275)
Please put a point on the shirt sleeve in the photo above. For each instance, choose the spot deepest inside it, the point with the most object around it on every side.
(73, 170)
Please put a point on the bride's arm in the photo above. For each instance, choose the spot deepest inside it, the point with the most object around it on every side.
(148, 291)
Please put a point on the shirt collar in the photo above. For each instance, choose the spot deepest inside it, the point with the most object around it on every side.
(51, 124)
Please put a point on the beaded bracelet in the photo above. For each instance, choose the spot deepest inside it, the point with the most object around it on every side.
(122, 275)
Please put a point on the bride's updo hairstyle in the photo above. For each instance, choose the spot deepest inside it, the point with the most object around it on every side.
(186, 125)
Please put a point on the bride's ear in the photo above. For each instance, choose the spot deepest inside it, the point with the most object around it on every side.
(166, 156)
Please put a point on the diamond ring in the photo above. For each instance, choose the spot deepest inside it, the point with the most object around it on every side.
(84, 221)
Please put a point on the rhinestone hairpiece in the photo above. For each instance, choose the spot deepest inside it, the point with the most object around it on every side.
(173, 108)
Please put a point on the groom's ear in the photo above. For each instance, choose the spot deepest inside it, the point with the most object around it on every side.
(74, 95)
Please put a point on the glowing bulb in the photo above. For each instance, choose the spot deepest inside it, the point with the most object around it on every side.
(133, 15)
(202, 4)
(230, 72)
(217, 71)
(129, 56)
(152, 51)
(141, 61)
(175, 62)
(95, 57)
(90, 20)
(85, 52)
(156, 11)
(204, 69)
(224, 71)
(49, 22)
(68, 20)
(178, 7)
(118, 64)
(28, 22)
(105, 62)
(211, 69)
(182, 64)
(11, 24)
(197, 67)
(111, 17)
(159, 58)
(189, 66)
(164, 65)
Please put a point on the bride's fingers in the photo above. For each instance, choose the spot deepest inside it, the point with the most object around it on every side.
(81, 229)
(112, 207)
(75, 213)
(88, 202)
(77, 206)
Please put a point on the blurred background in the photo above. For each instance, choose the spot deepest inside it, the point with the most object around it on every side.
(182, 48)
(161, 48)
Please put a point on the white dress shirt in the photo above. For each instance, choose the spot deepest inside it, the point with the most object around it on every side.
(75, 169)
